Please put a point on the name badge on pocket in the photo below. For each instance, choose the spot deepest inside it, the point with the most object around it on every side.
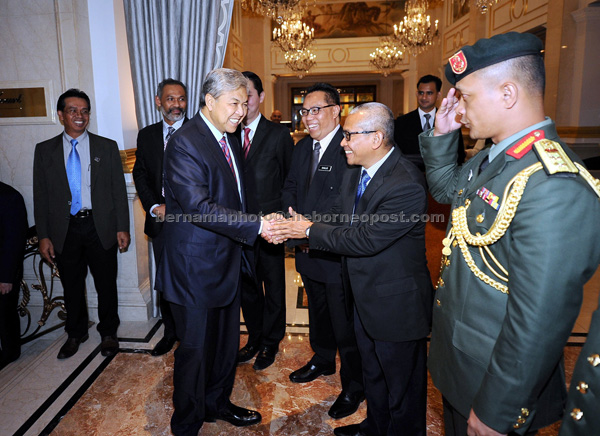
(325, 168)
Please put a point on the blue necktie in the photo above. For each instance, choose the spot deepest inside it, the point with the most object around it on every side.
(74, 177)
(362, 185)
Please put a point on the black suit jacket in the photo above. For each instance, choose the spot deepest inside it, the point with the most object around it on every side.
(52, 196)
(147, 173)
(205, 229)
(13, 235)
(384, 256)
(318, 198)
(406, 135)
(267, 166)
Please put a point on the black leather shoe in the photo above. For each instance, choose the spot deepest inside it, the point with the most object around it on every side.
(109, 346)
(265, 357)
(236, 415)
(163, 346)
(345, 405)
(247, 352)
(348, 430)
(309, 372)
(71, 346)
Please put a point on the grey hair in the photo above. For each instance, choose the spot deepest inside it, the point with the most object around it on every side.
(220, 81)
(378, 117)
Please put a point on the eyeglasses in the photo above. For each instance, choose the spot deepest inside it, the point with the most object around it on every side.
(74, 111)
(348, 135)
(313, 110)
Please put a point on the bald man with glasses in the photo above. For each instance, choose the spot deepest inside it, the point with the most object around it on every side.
(312, 187)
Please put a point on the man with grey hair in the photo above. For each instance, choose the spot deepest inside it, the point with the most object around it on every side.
(380, 232)
(171, 101)
(207, 247)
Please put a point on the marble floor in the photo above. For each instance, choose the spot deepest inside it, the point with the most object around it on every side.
(130, 394)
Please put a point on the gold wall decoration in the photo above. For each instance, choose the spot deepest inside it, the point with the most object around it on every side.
(26, 103)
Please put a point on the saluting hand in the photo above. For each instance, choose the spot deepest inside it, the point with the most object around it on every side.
(446, 116)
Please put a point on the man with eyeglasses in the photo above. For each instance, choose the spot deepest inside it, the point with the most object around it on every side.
(312, 187)
(82, 217)
(171, 101)
(377, 227)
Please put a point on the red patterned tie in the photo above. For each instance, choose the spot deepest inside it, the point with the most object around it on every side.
(246, 141)
(223, 143)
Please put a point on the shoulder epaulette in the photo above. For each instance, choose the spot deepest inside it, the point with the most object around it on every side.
(553, 157)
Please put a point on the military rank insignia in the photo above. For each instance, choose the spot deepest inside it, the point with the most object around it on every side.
(489, 197)
(554, 158)
(524, 146)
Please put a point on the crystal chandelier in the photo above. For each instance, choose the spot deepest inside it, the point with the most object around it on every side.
(415, 32)
(485, 5)
(293, 35)
(386, 57)
(278, 10)
(300, 61)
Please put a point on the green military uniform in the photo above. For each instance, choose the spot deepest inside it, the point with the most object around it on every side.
(517, 255)
(582, 415)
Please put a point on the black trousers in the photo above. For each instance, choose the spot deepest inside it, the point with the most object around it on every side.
(10, 325)
(456, 425)
(158, 244)
(331, 328)
(82, 248)
(395, 384)
(205, 363)
(264, 312)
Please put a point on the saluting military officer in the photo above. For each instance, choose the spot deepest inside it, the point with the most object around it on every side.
(581, 415)
(521, 243)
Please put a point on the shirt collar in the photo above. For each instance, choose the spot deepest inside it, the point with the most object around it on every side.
(80, 138)
(254, 124)
(373, 168)
(176, 125)
(327, 139)
(497, 149)
(218, 135)
(432, 113)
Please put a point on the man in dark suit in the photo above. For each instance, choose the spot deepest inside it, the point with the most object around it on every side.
(82, 217)
(380, 230)
(312, 186)
(206, 236)
(171, 100)
(408, 127)
(13, 236)
(267, 148)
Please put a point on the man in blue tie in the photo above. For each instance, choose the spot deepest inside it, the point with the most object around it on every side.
(82, 217)
(379, 229)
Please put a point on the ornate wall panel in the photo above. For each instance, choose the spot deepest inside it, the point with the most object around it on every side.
(517, 15)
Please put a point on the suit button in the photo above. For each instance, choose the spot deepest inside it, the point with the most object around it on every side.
(525, 412)
(438, 302)
(521, 420)
(594, 359)
(576, 414)
(480, 218)
(460, 192)
(517, 425)
(582, 387)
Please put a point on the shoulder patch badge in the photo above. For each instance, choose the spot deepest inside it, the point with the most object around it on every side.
(458, 63)
(554, 158)
(524, 146)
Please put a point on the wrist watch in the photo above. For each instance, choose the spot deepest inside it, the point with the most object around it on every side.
(307, 231)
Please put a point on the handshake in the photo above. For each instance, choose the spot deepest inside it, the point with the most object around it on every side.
(277, 229)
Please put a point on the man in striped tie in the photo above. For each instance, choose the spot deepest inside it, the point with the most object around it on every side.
(208, 240)
(171, 101)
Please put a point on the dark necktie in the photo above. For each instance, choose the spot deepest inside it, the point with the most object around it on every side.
(170, 131)
(246, 141)
(427, 125)
(314, 161)
(74, 177)
(484, 163)
(362, 185)
(223, 143)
